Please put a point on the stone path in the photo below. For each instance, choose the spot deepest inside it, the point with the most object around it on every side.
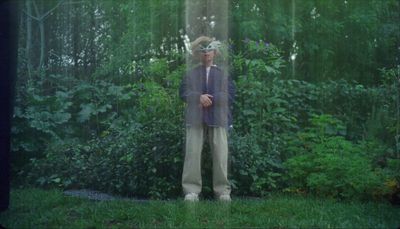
(92, 195)
(96, 195)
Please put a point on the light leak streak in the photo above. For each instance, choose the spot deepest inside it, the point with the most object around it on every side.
(294, 52)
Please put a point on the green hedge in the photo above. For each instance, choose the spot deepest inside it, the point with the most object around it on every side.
(288, 135)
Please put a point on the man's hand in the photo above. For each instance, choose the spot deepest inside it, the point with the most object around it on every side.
(205, 100)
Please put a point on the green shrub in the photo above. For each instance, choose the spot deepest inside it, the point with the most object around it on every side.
(254, 170)
(128, 159)
(327, 164)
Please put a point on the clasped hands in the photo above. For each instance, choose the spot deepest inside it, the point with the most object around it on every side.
(205, 100)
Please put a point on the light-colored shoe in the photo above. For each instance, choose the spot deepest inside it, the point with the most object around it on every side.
(225, 197)
(192, 197)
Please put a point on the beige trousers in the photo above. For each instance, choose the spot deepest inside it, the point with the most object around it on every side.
(191, 177)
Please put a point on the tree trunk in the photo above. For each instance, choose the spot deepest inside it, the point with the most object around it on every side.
(75, 40)
(42, 45)
(92, 35)
(40, 18)
(28, 38)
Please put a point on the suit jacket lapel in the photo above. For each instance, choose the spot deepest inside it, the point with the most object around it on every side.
(211, 80)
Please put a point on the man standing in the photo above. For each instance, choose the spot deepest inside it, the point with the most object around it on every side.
(209, 94)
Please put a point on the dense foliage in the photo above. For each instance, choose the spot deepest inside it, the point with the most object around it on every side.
(311, 115)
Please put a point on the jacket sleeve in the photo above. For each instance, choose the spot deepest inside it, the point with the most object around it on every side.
(227, 95)
(187, 93)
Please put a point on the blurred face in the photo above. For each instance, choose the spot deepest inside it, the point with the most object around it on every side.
(207, 57)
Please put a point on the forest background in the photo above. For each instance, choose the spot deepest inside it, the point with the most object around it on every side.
(317, 109)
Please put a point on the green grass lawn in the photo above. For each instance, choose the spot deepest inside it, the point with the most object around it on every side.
(36, 208)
